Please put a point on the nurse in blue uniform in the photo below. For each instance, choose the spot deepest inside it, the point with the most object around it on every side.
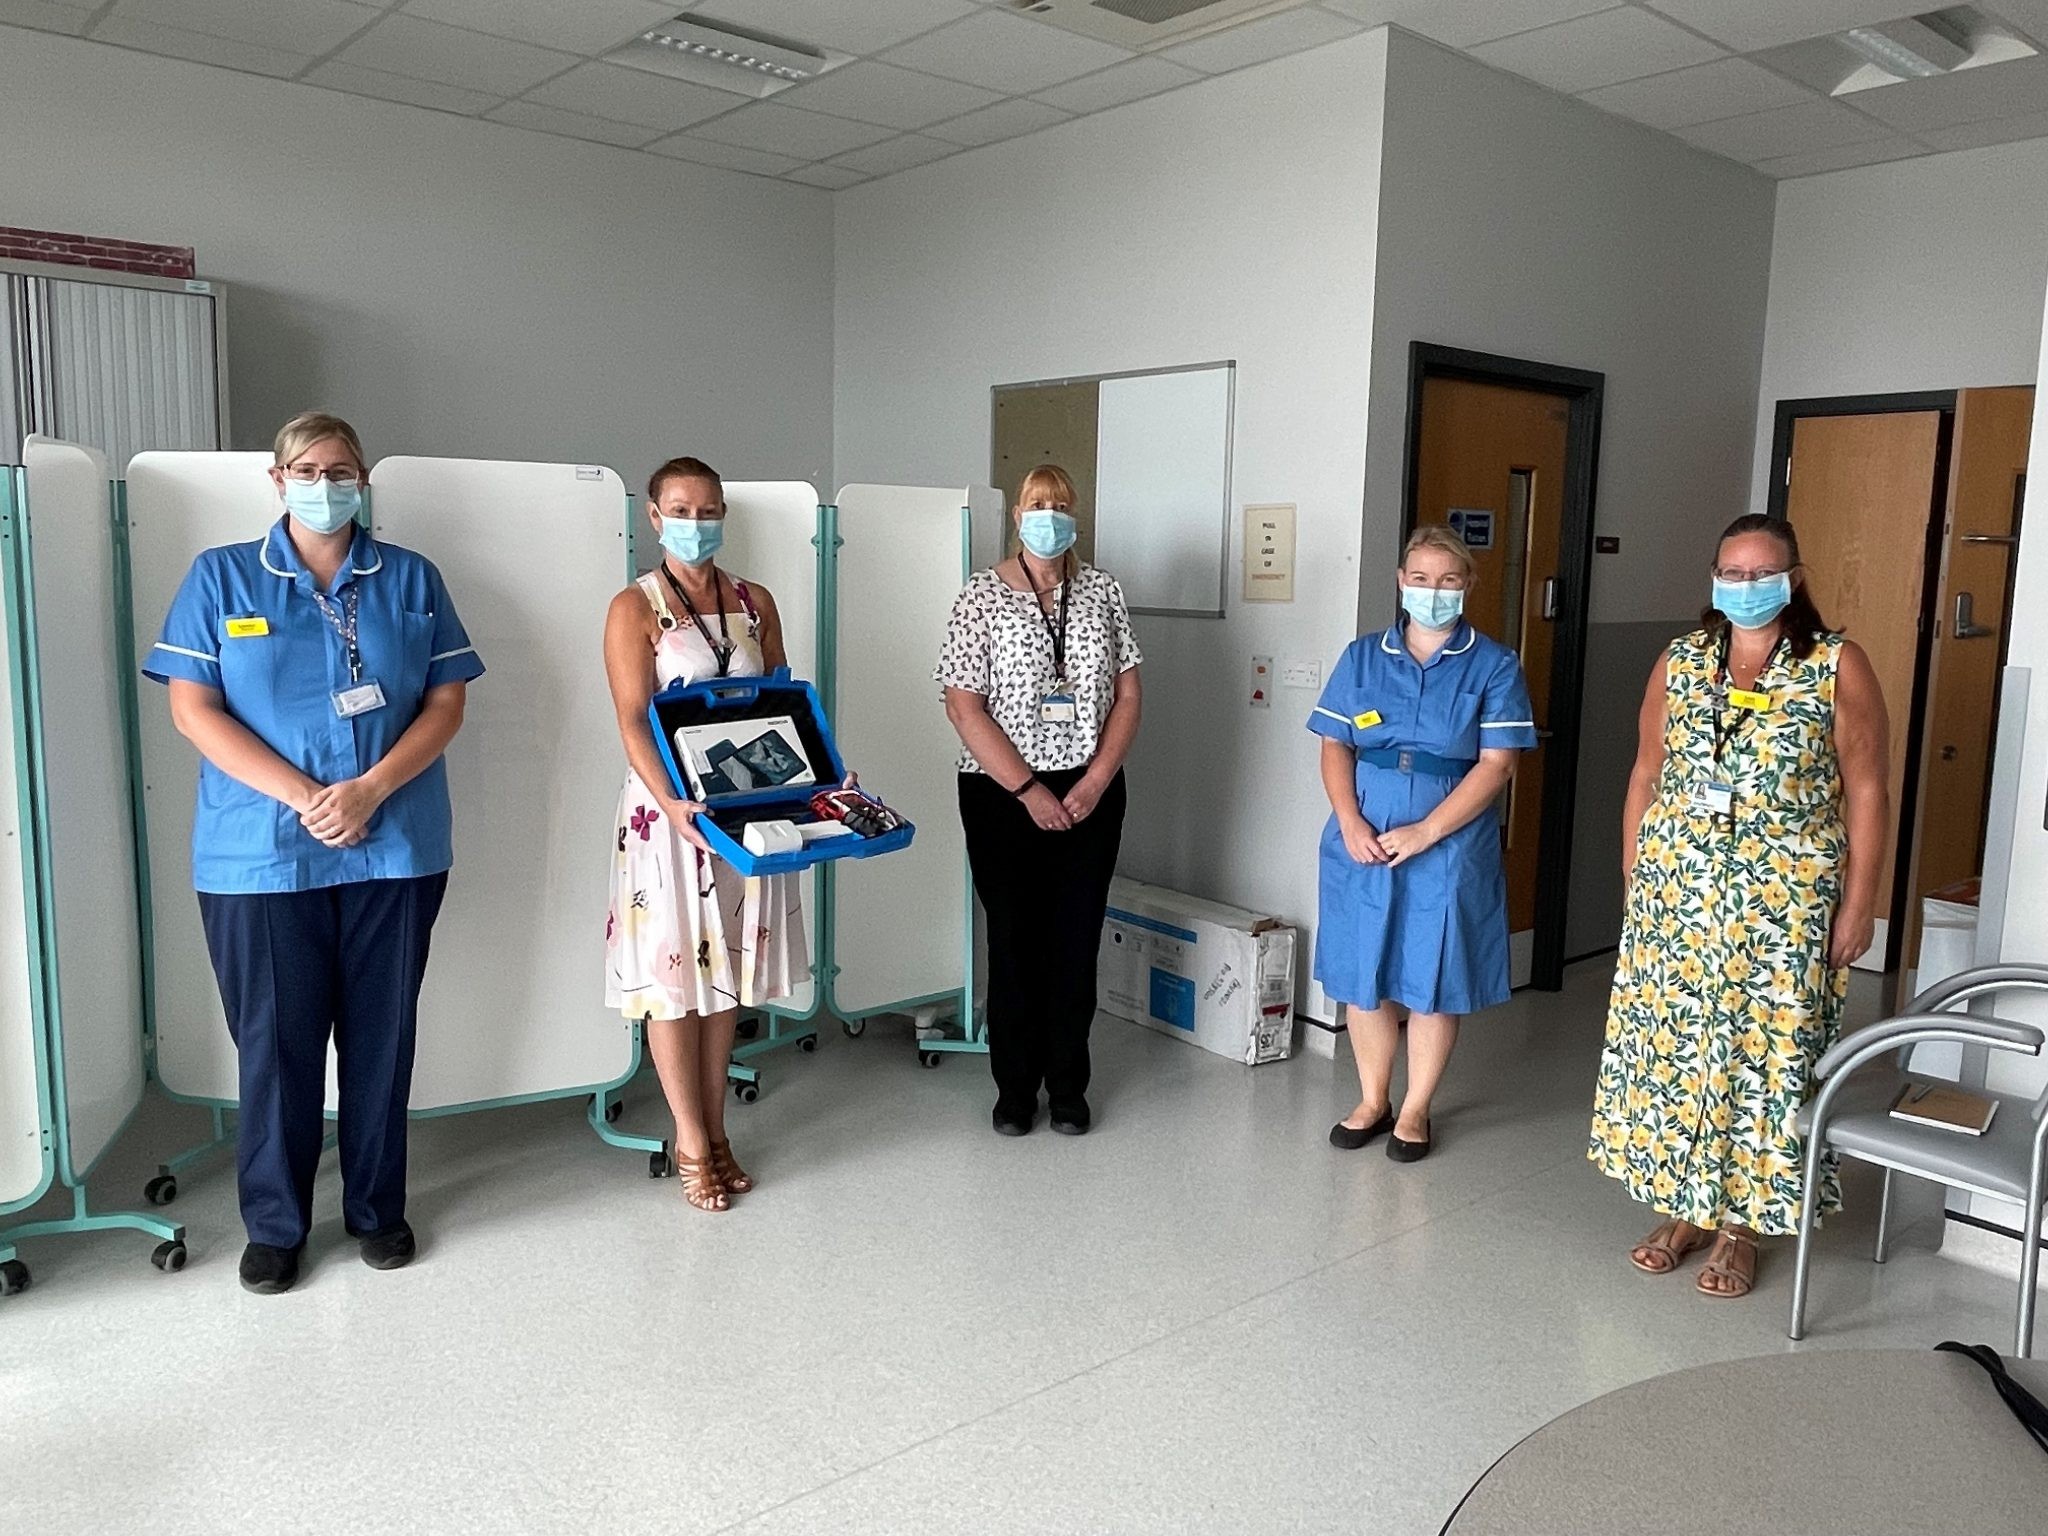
(1421, 728)
(320, 674)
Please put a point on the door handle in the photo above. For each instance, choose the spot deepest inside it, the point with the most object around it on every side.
(1550, 597)
(1966, 628)
(1991, 538)
(1543, 735)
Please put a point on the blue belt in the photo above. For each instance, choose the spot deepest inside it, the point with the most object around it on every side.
(1402, 760)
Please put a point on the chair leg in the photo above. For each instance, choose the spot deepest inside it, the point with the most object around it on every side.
(1808, 1200)
(2030, 1278)
(1884, 1218)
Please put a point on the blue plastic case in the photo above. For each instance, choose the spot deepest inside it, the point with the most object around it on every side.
(752, 698)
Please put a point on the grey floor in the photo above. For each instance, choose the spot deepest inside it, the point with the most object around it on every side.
(1198, 1319)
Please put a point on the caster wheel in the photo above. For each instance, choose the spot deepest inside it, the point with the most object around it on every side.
(613, 1110)
(746, 1093)
(854, 1028)
(808, 1045)
(930, 1058)
(13, 1277)
(169, 1257)
(161, 1190)
(748, 1029)
(658, 1165)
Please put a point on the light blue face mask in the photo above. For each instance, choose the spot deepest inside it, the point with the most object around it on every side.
(1753, 604)
(692, 540)
(1433, 607)
(323, 506)
(1048, 534)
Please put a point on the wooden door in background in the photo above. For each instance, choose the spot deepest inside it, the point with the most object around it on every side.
(1049, 424)
(1499, 452)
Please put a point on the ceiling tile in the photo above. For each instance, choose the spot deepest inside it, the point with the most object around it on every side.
(1747, 25)
(785, 131)
(573, 125)
(1894, 147)
(426, 50)
(851, 26)
(1598, 50)
(727, 157)
(308, 27)
(832, 177)
(358, 81)
(1461, 23)
(1011, 54)
(623, 95)
(894, 155)
(1800, 130)
(2006, 130)
(45, 17)
(585, 26)
(180, 44)
(1120, 83)
(869, 92)
(1701, 94)
(2015, 88)
(1005, 120)
(1255, 42)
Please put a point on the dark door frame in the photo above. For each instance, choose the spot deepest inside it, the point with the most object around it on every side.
(1584, 393)
(1943, 402)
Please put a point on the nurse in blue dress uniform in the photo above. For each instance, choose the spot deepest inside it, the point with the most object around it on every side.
(1421, 725)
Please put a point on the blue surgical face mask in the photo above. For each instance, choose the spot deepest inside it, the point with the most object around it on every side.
(692, 540)
(1433, 607)
(323, 506)
(1048, 534)
(1753, 604)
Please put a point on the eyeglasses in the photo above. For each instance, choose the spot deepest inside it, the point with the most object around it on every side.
(312, 474)
(1730, 573)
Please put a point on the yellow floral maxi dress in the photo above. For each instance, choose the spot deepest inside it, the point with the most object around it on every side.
(1723, 999)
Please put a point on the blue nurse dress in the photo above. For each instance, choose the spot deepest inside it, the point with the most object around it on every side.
(1431, 935)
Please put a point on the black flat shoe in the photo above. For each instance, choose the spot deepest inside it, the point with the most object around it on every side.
(269, 1271)
(1347, 1138)
(1072, 1119)
(1409, 1151)
(392, 1248)
(1013, 1122)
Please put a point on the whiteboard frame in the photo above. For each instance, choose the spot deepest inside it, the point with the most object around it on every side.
(1229, 365)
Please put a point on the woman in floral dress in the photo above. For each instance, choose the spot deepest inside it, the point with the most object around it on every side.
(1754, 842)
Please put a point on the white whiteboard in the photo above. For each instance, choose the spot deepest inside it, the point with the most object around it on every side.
(1162, 487)
(24, 1170)
(769, 529)
(86, 820)
(180, 504)
(899, 921)
(532, 555)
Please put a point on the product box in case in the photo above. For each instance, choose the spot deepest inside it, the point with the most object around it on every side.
(756, 750)
(1219, 977)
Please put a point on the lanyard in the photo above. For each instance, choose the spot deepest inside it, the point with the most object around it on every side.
(343, 623)
(1745, 717)
(1057, 635)
(722, 648)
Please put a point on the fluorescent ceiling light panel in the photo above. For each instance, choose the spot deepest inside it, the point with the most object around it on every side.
(729, 57)
(1912, 49)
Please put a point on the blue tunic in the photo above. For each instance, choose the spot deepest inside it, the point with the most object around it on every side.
(1433, 934)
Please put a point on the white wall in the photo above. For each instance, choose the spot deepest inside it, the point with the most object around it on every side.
(450, 285)
(1519, 222)
(1232, 219)
(1922, 274)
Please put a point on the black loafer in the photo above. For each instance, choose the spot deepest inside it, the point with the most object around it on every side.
(270, 1271)
(1010, 1121)
(1349, 1138)
(1072, 1119)
(1409, 1151)
(392, 1248)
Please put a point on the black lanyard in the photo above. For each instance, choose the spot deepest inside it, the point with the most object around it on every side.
(723, 647)
(1722, 680)
(1057, 635)
(344, 624)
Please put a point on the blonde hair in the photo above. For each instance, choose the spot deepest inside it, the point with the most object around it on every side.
(1444, 541)
(1049, 481)
(310, 427)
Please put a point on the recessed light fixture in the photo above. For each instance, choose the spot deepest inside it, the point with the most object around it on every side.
(1945, 42)
(1913, 49)
(724, 56)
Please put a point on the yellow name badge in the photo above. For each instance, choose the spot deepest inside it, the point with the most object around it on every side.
(1743, 699)
(247, 629)
(1366, 721)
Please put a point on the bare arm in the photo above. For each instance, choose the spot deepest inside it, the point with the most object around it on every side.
(1642, 779)
(1340, 783)
(1863, 744)
(1118, 732)
(1480, 787)
(968, 712)
(201, 716)
(774, 645)
(629, 667)
(340, 814)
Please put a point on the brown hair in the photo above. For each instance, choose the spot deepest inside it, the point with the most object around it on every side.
(681, 469)
(1804, 626)
(310, 427)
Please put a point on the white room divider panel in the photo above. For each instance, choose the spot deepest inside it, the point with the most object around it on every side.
(86, 833)
(25, 1162)
(532, 555)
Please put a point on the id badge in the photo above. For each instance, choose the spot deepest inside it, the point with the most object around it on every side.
(1057, 708)
(1714, 799)
(363, 699)
(1745, 699)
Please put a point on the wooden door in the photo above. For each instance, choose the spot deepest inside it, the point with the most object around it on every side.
(1491, 459)
(1860, 493)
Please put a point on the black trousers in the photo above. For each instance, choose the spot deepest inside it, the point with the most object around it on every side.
(1045, 894)
(293, 967)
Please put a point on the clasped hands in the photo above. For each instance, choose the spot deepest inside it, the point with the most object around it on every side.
(1393, 847)
(339, 815)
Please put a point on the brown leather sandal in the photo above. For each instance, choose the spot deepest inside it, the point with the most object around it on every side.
(1729, 1247)
(701, 1185)
(737, 1180)
(1668, 1254)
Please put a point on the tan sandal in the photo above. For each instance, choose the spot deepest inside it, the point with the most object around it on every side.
(737, 1180)
(1721, 1265)
(1669, 1254)
(701, 1185)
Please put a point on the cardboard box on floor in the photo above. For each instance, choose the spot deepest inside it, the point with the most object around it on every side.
(1216, 976)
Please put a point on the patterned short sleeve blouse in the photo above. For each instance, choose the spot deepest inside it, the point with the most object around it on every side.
(998, 645)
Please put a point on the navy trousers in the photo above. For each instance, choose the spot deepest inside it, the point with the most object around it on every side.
(294, 967)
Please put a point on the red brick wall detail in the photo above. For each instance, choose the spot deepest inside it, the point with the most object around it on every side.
(95, 251)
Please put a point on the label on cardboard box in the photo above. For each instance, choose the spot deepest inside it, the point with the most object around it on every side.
(1217, 976)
